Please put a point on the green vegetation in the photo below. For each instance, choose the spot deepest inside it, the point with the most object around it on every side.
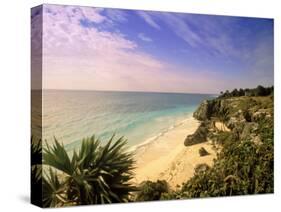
(244, 164)
(223, 116)
(258, 91)
(242, 167)
(149, 191)
(95, 174)
(247, 115)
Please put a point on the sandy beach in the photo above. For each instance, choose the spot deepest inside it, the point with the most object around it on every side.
(166, 158)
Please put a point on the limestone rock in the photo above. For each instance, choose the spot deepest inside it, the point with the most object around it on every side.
(199, 136)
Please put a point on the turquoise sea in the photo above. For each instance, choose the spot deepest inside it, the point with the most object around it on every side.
(138, 116)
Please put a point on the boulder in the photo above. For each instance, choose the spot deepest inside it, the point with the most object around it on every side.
(232, 122)
(257, 140)
(199, 136)
(261, 114)
(203, 152)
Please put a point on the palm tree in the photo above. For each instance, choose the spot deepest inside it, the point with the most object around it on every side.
(223, 116)
(94, 174)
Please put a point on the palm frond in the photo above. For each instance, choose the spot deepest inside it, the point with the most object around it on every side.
(52, 190)
(95, 174)
(57, 157)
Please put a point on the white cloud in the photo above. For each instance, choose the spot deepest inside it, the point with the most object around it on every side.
(77, 57)
(72, 14)
(181, 28)
(175, 22)
(116, 15)
(148, 19)
(198, 31)
(145, 38)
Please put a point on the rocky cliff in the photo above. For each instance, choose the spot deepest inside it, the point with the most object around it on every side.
(240, 115)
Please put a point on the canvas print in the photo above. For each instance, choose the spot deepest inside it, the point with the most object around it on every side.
(131, 106)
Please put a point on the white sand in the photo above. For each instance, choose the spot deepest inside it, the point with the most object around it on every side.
(167, 158)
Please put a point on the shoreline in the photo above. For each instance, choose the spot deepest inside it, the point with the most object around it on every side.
(148, 141)
(167, 158)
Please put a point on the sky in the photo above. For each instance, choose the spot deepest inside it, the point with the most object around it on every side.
(86, 48)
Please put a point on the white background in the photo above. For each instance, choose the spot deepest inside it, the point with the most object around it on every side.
(15, 102)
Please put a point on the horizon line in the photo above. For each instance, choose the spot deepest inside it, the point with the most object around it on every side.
(132, 91)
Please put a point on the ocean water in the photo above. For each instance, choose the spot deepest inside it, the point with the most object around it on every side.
(138, 116)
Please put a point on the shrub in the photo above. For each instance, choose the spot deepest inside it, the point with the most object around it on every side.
(247, 116)
(95, 174)
(201, 168)
(258, 91)
(242, 167)
(149, 191)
